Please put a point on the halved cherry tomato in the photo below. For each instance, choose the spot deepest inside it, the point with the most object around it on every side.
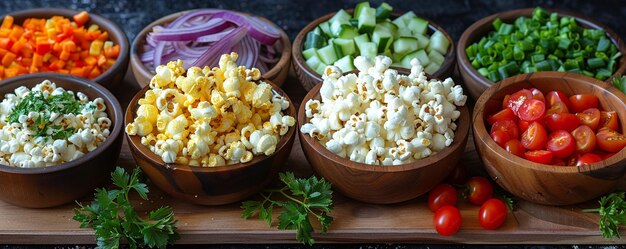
(610, 140)
(587, 159)
(539, 156)
(535, 137)
(572, 160)
(506, 113)
(590, 117)
(442, 195)
(561, 143)
(508, 126)
(563, 121)
(500, 137)
(492, 214)
(538, 95)
(585, 139)
(557, 96)
(558, 161)
(480, 190)
(557, 108)
(447, 220)
(523, 125)
(518, 98)
(515, 147)
(581, 102)
(609, 119)
(531, 110)
(505, 101)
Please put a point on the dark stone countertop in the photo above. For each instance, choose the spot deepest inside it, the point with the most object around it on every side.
(453, 15)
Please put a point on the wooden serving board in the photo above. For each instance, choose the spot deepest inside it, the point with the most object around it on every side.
(354, 221)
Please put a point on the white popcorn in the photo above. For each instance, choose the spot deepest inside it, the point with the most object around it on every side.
(383, 118)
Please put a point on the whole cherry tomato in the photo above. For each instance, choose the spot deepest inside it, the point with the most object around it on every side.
(492, 214)
(447, 220)
(442, 195)
(479, 190)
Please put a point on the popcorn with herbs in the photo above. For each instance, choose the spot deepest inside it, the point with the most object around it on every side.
(48, 125)
(380, 117)
(210, 116)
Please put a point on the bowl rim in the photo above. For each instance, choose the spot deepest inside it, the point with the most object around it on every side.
(460, 135)
(298, 42)
(140, 39)
(470, 34)
(135, 140)
(101, 91)
(480, 128)
(93, 18)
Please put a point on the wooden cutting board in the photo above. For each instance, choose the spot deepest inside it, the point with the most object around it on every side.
(354, 221)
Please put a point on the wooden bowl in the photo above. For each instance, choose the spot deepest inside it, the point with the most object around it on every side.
(277, 74)
(211, 185)
(475, 84)
(55, 185)
(382, 184)
(540, 183)
(113, 76)
(309, 78)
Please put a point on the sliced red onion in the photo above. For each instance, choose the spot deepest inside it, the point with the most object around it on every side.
(222, 47)
(258, 29)
(191, 33)
(214, 37)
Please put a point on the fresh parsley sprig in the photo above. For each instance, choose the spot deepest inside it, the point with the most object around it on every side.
(113, 217)
(619, 81)
(612, 213)
(304, 198)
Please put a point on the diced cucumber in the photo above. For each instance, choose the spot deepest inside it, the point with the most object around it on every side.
(325, 26)
(404, 45)
(309, 53)
(345, 63)
(418, 25)
(367, 19)
(383, 11)
(345, 46)
(439, 42)
(422, 41)
(327, 54)
(421, 56)
(348, 32)
(402, 29)
(341, 15)
(354, 22)
(404, 19)
(382, 37)
(336, 26)
(368, 49)
(361, 38)
(393, 29)
(436, 57)
(314, 40)
(359, 8)
(432, 68)
(313, 62)
(320, 68)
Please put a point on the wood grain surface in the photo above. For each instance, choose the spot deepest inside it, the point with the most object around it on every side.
(354, 221)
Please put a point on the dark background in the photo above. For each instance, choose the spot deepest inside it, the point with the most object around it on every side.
(453, 15)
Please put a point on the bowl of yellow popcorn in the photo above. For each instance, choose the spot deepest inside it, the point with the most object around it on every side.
(210, 136)
(382, 135)
(59, 138)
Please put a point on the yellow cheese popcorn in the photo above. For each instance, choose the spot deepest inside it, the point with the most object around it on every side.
(210, 117)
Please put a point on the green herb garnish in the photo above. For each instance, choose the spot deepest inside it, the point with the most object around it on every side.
(619, 82)
(612, 213)
(309, 197)
(113, 217)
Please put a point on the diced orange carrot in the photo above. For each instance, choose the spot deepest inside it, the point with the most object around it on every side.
(37, 60)
(112, 52)
(7, 22)
(75, 56)
(64, 55)
(78, 71)
(91, 60)
(95, 72)
(8, 58)
(68, 46)
(81, 18)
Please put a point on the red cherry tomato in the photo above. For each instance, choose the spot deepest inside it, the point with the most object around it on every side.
(531, 110)
(609, 140)
(572, 160)
(518, 98)
(557, 96)
(609, 119)
(505, 101)
(506, 113)
(561, 143)
(587, 159)
(607, 156)
(500, 137)
(515, 147)
(558, 162)
(535, 137)
(492, 214)
(539, 156)
(581, 102)
(585, 139)
(458, 176)
(508, 126)
(523, 125)
(564, 121)
(442, 195)
(480, 190)
(538, 95)
(557, 108)
(447, 220)
(590, 117)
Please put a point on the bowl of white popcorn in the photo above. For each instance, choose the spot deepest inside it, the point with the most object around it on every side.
(210, 136)
(381, 136)
(59, 138)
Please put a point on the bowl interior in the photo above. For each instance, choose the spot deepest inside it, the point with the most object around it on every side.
(135, 141)
(490, 102)
(459, 137)
(76, 84)
(116, 34)
(282, 45)
(482, 27)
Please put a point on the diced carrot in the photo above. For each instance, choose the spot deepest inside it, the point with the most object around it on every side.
(18, 46)
(78, 71)
(59, 64)
(78, 63)
(81, 18)
(8, 58)
(112, 52)
(6, 43)
(43, 48)
(5, 33)
(37, 60)
(75, 56)
(68, 46)
(7, 22)
(91, 60)
(16, 33)
(64, 71)
(103, 37)
(84, 54)
(10, 72)
(26, 62)
(64, 55)
(101, 60)
(3, 52)
(92, 35)
(95, 72)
